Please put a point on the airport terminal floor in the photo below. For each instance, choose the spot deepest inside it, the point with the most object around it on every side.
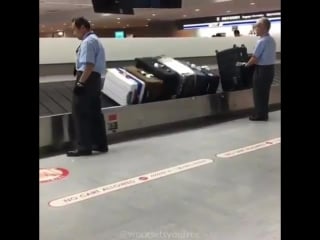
(216, 181)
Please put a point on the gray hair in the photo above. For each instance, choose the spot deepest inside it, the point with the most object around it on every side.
(266, 22)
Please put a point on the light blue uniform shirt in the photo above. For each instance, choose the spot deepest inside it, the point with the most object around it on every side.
(91, 51)
(265, 51)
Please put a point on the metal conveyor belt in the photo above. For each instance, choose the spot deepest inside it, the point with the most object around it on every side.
(56, 97)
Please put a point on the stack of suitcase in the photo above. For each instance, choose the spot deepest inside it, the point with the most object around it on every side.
(181, 79)
(158, 78)
(234, 77)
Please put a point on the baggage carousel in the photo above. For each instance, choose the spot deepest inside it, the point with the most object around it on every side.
(56, 99)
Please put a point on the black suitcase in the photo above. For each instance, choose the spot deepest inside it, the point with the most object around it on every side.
(187, 77)
(169, 77)
(246, 76)
(214, 79)
(202, 79)
(230, 74)
(207, 80)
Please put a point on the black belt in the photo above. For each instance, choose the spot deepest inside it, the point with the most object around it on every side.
(93, 74)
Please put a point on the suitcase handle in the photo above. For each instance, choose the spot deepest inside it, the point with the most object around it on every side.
(147, 75)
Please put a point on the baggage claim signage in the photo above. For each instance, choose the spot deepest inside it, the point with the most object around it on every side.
(230, 20)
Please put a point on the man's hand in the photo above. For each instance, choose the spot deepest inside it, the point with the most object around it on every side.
(79, 89)
(241, 64)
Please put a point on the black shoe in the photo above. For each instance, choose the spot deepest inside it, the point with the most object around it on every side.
(100, 149)
(78, 153)
(257, 118)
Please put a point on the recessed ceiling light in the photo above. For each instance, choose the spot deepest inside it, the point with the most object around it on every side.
(228, 11)
(153, 14)
(252, 3)
(147, 25)
(197, 9)
(184, 15)
(148, 19)
(118, 22)
(128, 25)
(118, 18)
(106, 14)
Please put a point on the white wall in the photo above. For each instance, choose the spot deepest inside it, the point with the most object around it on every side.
(62, 50)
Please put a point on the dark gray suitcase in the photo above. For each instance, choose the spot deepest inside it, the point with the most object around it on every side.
(213, 79)
(230, 76)
(202, 81)
(170, 78)
(187, 77)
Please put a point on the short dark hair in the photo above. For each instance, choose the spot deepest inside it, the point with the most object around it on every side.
(81, 21)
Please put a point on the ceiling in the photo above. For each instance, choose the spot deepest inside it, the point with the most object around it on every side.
(57, 14)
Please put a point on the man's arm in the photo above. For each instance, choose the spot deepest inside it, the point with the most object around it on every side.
(252, 61)
(86, 73)
(257, 52)
(87, 57)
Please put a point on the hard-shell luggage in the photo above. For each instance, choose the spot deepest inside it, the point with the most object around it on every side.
(153, 85)
(168, 76)
(230, 76)
(214, 79)
(202, 79)
(246, 76)
(123, 87)
(187, 77)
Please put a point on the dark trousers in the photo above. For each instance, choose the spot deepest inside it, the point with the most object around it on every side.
(89, 123)
(262, 80)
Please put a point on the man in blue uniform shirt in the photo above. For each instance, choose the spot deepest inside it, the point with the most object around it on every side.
(264, 57)
(89, 123)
